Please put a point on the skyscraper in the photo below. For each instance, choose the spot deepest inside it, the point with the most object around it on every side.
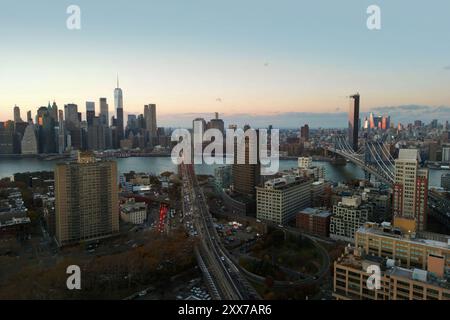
(150, 122)
(304, 132)
(86, 199)
(29, 141)
(118, 103)
(17, 117)
(104, 113)
(353, 122)
(410, 192)
(73, 126)
(90, 112)
(217, 123)
(29, 117)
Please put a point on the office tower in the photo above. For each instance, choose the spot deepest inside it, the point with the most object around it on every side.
(434, 124)
(7, 137)
(104, 112)
(96, 135)
(279, 200)
(29, 140)
(351, 272)
(46, 131)
(304, 133)
(150, 123)
(348, 216)
(72, 126)
(353, 122)
(132, 123)
(217, 123)
(19, 131)
(386, 122)
(203, 126)
(53, 111)
(71, 115)
(90, 112)
(118, 104)
(29, 117)
(61, 132)
(17, 117)
(410, 192)
(86, 199)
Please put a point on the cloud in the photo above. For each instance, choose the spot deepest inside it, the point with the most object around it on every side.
(276, 119)
(447, 68)
(404, 114)
(408, 113)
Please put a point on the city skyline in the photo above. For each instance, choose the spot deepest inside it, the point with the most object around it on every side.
(188, 62)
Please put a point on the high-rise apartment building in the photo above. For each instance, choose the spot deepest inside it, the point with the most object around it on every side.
(86, 199)
(410, 192)
(246, 168)
(304, 133)
(353, 122)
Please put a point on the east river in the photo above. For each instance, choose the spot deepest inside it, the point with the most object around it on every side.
(157, 165)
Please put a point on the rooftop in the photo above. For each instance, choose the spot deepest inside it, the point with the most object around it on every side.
(392, 232)
(317, 212)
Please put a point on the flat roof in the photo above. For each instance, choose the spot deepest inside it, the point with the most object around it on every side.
(380, 232)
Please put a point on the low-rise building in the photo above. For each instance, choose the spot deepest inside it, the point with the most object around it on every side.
(353, 269)
(133, 212)
(315, 221)
(411, 249)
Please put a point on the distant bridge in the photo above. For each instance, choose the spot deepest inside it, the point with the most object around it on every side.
(372, 157)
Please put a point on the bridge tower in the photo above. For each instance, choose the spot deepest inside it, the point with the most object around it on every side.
(367, 161)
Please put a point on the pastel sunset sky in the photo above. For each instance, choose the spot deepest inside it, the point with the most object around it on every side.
(236, 56)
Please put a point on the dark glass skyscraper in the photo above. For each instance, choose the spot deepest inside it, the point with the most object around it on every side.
(353, 122)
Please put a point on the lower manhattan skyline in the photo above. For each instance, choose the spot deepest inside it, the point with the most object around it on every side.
(273, 68)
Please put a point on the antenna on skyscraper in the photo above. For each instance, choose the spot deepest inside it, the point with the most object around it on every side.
(117, 80)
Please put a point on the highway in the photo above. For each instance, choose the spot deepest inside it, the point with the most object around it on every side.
(227, 281)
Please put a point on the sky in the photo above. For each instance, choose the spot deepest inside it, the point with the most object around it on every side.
(264, 60)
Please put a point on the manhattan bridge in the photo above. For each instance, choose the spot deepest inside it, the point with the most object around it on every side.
(375, 159)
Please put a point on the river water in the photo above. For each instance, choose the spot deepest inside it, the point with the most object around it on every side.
(158, 165)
